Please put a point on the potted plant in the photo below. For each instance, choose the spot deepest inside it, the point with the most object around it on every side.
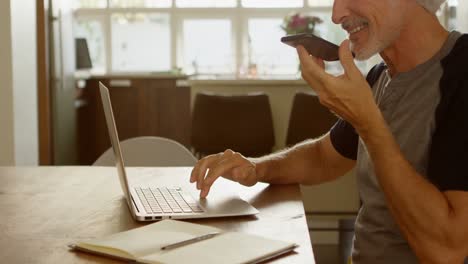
(296, 23)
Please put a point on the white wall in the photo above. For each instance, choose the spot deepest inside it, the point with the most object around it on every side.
(18, 100)
(7, 152)
(462, 16)
(23, 24)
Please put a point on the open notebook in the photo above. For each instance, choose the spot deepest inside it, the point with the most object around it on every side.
(144, 245)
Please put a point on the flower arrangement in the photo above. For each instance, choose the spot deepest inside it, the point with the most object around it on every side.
(297, 23)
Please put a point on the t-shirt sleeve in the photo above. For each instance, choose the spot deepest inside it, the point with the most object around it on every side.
(344, 139)
(448, 154)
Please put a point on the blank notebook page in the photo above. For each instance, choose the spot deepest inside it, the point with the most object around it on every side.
(224, 248)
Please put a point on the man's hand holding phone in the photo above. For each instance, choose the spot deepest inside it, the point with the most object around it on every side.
(347, 95)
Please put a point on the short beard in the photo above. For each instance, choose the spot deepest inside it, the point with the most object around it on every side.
(376, 44)
(371, 48)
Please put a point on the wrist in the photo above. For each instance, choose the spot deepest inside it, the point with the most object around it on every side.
(372, 126)
(377, 136)
(260, 169)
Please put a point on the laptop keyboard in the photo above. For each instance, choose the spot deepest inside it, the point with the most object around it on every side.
(167, 201)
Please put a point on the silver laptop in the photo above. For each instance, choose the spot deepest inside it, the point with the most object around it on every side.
(150, 203)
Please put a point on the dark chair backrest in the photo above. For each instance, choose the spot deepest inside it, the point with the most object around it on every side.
(242, 123)
(308, 119)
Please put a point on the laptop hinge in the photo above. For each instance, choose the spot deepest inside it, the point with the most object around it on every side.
(134, 203)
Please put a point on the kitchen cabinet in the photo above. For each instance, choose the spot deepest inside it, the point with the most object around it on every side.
(142, 106)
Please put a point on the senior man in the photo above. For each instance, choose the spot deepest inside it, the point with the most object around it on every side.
(404, 129)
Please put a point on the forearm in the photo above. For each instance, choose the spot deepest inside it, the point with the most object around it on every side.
(303, 163)
(423, 212)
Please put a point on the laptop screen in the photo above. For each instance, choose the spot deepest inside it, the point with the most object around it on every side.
(114, 137)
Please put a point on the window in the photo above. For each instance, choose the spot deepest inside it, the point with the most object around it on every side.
(266, 52)
(90, 3)
(140, 42)
(206, 3)
(199, 36)
(272, 4)
(140, 3)
(208, 46)
(92, 29)
(320, 2)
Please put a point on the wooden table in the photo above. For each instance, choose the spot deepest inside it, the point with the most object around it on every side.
(43, 209)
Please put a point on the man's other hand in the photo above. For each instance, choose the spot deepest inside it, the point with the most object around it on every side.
(228, 164)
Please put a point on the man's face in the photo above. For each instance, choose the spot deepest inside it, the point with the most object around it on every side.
(372, 25)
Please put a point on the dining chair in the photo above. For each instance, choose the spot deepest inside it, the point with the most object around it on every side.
(242, 123)
(149, 152)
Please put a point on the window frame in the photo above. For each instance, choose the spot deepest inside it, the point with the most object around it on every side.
(238, 15)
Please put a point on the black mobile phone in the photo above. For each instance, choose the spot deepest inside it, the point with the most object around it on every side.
(316, 46)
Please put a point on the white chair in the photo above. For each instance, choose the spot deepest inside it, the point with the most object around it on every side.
(149, 152)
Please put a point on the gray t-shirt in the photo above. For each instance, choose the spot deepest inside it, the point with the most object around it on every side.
(408, 102)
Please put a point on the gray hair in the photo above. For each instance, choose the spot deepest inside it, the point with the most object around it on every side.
(431, 5)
